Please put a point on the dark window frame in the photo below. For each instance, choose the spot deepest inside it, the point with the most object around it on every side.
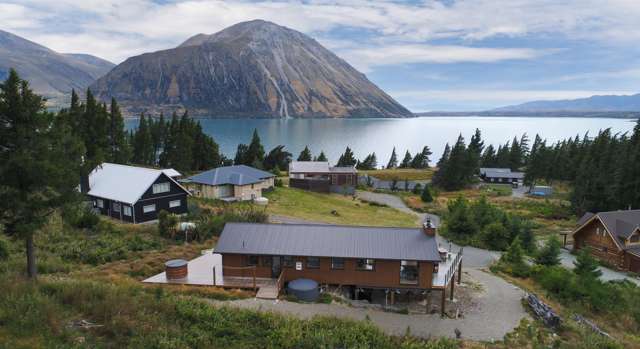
(288, 262)
(366, 262)
(266, 261)
(404, 281)
(333, 267)
(250, 263)
(311, 266)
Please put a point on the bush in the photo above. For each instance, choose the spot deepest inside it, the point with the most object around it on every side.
(417, 189)
(549, 255)
(4, 249)
(167, 223)
(212, 224)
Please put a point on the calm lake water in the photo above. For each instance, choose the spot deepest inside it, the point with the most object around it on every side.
(381, 135)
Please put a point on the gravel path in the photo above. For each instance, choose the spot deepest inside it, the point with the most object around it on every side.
(497, 313)
(567, 259)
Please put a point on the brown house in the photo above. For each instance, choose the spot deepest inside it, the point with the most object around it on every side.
(613, 237)
(357, 258)
(321, 177)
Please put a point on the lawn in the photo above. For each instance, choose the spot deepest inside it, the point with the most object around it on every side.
(401, 174)
(318, 207)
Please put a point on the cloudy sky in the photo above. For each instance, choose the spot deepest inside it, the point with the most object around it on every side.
(429, 55)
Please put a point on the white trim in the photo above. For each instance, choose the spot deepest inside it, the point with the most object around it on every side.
(124, 210)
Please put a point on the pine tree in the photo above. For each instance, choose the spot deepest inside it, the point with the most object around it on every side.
(255, 151)
(278, 159)
(406, 162)
(40, 163)
(425, 196)
(321, 157)
(305, 154)
(393, 161)
(120, 152)
(347, 159)
(142, 146)
(488, 157)
(585, 265)
(549, 255)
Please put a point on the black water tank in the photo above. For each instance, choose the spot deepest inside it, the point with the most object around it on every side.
(304, 289)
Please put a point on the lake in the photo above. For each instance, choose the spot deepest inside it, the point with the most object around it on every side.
(365, 136)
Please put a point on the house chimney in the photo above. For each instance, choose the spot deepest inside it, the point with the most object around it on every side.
(428, 228)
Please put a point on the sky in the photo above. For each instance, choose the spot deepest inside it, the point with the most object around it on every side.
(447, 55)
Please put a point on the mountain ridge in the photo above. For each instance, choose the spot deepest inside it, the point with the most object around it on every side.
(595, 103)
(49, 73)
(250, 69)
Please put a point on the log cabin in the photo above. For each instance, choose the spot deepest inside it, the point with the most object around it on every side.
(320, 176)
(134, 194)
(613, 237)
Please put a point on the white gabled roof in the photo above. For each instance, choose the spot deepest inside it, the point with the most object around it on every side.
(309, 167)
(123, 183)
(172, 173)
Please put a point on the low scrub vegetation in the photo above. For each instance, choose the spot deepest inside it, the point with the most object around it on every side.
(482, 224)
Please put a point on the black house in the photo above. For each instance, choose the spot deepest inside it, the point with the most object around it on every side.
(135, 194)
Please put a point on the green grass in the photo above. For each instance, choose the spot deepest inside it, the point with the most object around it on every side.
(401, 174)
(498, 189)
(318, 207)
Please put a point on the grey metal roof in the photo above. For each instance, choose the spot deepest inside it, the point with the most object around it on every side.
(620, 223)
(344, 169)
(319, 240)
(502, 174)
(236, 175)
(309, 167)
(484, 170)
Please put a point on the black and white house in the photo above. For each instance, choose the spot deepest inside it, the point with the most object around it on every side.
(135, 194)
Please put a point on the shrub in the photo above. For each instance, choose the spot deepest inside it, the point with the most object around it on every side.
(549, 255)
(4, 248)
(417, 189)
(167, 224)
(426, 194)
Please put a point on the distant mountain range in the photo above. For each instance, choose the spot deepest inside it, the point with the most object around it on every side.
(50, 73)
(251, 69)
(607, 103)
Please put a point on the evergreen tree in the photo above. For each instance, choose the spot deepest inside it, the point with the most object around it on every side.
(255, 151)
(370, 162)
(321, 157)
(445, 156)
(40, 163)
(393, 161)
(515, 155)
(549, 255)
(142, 146)
(474, 151)
(421, 160)
(119, 151)
(488, 158)
(305, 154)
(347, 159)
(585, 265)
(406, 162)
(278, 158)
(455, 173)
(425, 196)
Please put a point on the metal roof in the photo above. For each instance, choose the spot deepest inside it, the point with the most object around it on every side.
(502, 174)
(484, 170)
(236, 175)
(318, 240)
(309, 166)
(123, 183)
(620, 223)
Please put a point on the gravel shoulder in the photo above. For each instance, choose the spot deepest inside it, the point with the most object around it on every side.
(498, 312)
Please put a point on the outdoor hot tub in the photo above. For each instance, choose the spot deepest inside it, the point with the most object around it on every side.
(304, 289)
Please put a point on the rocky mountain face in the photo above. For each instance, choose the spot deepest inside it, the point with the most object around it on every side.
(255, 69)
(607, 103)
(50, 73)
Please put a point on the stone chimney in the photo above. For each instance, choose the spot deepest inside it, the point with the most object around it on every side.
(428, 227)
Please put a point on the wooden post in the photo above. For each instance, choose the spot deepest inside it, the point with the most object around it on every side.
(254, 278)
(460, 272)
(214, 275)
(453, 283)
(393, 297)
(444, 290)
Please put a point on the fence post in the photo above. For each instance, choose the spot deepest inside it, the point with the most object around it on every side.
(214, 275)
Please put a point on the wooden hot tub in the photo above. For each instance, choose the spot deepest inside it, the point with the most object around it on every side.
(176, 269)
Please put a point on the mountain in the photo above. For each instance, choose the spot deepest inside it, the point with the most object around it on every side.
(253, 69)
(608, 103)
(50, 73)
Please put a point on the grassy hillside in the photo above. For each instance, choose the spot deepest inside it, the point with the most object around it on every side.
(318, 207)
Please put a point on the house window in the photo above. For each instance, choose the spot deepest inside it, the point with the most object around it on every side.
(266, 261)
(365, 264)
(161, 188)
(116, 207)
(126, 210)
(287, 261)
(635, 238)
(100, 203)
(149, 208)
(337, 263)
(175, 203)
(409, 272)
(313, 262)
(252, 260)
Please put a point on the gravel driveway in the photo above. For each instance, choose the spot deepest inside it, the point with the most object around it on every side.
(497, 313)
(567, 259)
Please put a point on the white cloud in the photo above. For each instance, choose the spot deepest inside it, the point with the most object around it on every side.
(137, 26)
(413, 53)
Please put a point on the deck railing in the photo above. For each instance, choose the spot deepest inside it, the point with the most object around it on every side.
(280, 281)
(252, 268)
(453, 267)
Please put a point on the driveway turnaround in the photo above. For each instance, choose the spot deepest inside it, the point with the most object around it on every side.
(497, 313)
